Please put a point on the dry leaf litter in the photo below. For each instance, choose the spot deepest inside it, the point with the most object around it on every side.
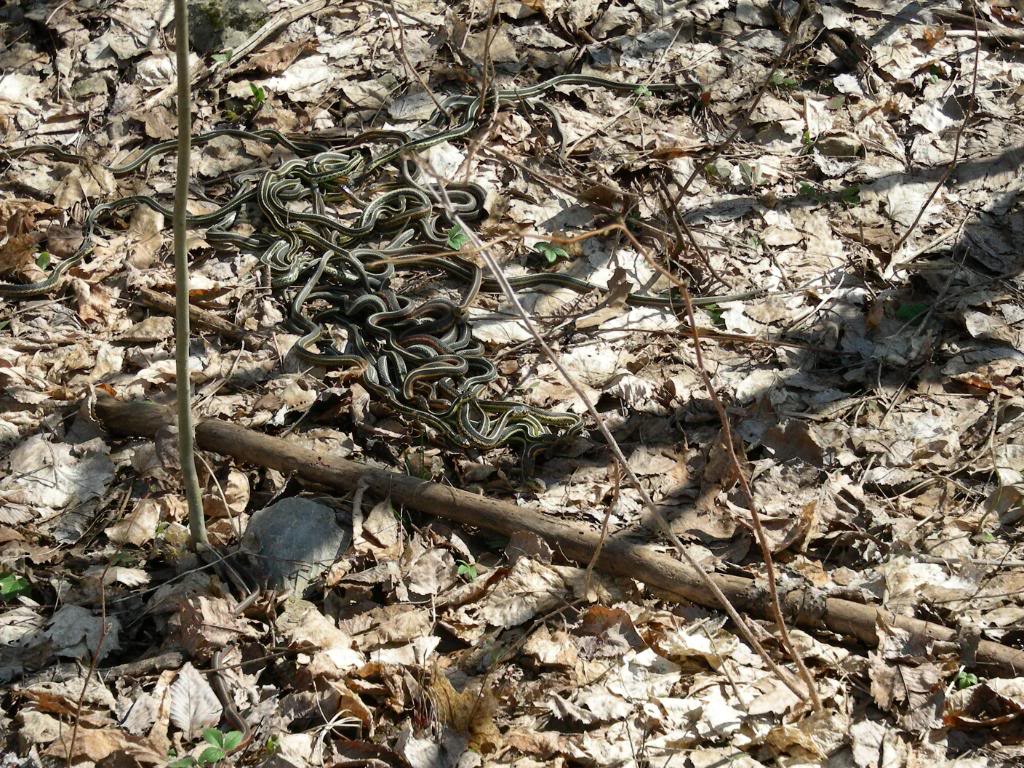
(875, 395)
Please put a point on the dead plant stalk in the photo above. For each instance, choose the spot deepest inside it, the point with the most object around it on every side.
(182, 333)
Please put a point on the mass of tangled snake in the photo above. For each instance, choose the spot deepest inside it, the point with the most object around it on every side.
(332, 224)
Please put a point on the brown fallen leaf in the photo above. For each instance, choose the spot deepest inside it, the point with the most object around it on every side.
(159, 122)
(95, 303)
(276, 60)
(552, 648)
(96, 744)
(470, 712)
(84, 183)
(194, 705)
(63, 241)
(18, 253)
(35, 727)
(599, 621)
(230, 498)
(904, 682)
(207, 623)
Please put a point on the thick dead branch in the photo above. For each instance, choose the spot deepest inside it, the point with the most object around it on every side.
(619, 555)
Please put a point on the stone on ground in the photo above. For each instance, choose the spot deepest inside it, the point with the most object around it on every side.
(291, 543)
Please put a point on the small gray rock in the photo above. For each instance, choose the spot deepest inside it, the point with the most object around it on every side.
(291, 543)
(89, 86)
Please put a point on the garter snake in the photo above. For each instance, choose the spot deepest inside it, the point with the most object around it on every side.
(332, 223)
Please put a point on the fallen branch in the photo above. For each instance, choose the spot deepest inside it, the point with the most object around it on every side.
(619, 555)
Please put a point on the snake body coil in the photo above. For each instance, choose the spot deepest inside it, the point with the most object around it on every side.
(331, 223)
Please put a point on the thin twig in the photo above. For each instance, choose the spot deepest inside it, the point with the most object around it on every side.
(724, 145)
(968, 114)
(405, 58)
(605, 521)
(755, 518)
(554, 183)
(636, 100)
(201, 317)
(260, 36)
(220, 491)
(620, 458)
(94, 662)
(741, 625)
(55, 11)
(486, 84)
(682, 228)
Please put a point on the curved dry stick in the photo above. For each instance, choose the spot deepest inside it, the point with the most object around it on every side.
(620, 458)
(755, 517)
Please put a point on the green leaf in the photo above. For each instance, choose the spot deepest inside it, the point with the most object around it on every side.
(211, 755)
(232, 739)
(551, 252)
(457, 238)
(850, 195)
(715, 312)
(12, 585)
(908, 312)
(781, 80)
(272, 745)
(222, 58)
(642, 91)
(259, 96)
(182, 762)
(213, 736)
(467, 570)
(965, 680)
(43, 259)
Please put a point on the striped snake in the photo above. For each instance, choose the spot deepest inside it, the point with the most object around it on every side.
(331, 224)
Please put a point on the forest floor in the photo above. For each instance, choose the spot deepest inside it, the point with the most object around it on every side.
(859, 163)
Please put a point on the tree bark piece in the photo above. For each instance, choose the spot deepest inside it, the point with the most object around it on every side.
(619, 556)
